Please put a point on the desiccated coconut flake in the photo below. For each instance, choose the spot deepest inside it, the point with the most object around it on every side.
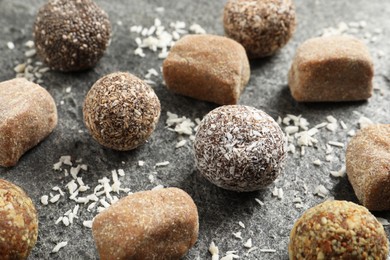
(237, 235)
(104, 203)
(339, 173)
(343, 125)
(74, 171)
(66, 159)
(351, 133)
(57, 166)
(10, 45)
(165, 163)
(248, 243)
(45, 200)
(321, 191)
(59, 246)
(251, 250)
(158, 187)
(65, 221)
(241, 224)
(59, 220)
(317, 162)
(259, 202)
(121, 172)
(197, 29)
(331, 119)
(29, 44)
(181, 143)
(141, 163)
(321, 125)
(214, 251)
(91, 206)
(56, 188)
(30, 53)
(337, 144)
(291, 129)
(55, 198)
(72, 186)
(87, 223)
(267, 250)
(332, 127)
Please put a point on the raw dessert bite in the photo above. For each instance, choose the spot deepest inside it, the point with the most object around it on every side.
(338, 230)
(207, 67)
(28, 115)
(121, 111)
(157, 224)
(368, 166)
(239, 148)
(261, 26)
(71, 35)
(330, 69)
(18, 222)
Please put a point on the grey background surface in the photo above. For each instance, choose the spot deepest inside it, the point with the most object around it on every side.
(219, 210)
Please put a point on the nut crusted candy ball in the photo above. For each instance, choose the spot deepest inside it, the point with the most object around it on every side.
(239, 148)
(121, 111)
(338, 230)
(18, 222)
(368, 166)
(71, 35)
(156, 224)
(261, 26)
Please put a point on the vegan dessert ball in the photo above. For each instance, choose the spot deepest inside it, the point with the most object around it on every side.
(338, 230)
(18, 222)
(239, 148)
(121, 111)
(261, 26)
(71, 35)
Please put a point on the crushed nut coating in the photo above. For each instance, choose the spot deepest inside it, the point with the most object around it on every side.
(338, 230)
(239, 148)
(121, 111)
(18, 222)
(261, 26)
(71, 35)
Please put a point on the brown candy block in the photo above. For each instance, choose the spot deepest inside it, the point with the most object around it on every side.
(27, 115)
(368, 166)
(207, 67)
(18, 222)
(334, 68)
(337, 230)
(157, 224)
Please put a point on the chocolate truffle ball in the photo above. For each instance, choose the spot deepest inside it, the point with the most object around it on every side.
(239, 148)
(338, 230)
(71, 35)
(121, 111)
(18, 222)
(261, 26)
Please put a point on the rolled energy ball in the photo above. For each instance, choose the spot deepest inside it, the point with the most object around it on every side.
(337, 230)
(331, 69)
(261, 26)
(71, 35)
(18, 222)
(368, 166)
(239, 148)
(121, 111)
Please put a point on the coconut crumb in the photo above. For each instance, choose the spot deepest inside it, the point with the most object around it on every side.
(141, 163)
(317, 162)
(364, 122)
(337, 144)
(248, 243)
(45, 200)
(267, 250)
(160, 164)
(321, 191)
(214, 251)
(181, 143)
(59, 246)
(241, 224)
(237, 235)
(383, 221)
(339, 173)
(87, 223)
(55, 198)
(259, 202)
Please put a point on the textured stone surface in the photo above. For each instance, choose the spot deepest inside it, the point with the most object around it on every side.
(219, 210)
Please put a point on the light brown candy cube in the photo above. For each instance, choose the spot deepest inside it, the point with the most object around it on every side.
(207, 67)
(156, 224)
(27, 115)
(368, 166)
(329, 69)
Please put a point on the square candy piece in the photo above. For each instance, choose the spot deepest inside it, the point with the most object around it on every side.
(331, 69)
(207, 67)
(368, 166)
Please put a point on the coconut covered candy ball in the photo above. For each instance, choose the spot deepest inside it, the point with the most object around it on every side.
(121, 111)
(18, 222)
(261, 26)
(71, 35)
(338, 230)
(239, 148)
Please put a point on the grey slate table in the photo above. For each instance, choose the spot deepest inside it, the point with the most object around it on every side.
(220, 211)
